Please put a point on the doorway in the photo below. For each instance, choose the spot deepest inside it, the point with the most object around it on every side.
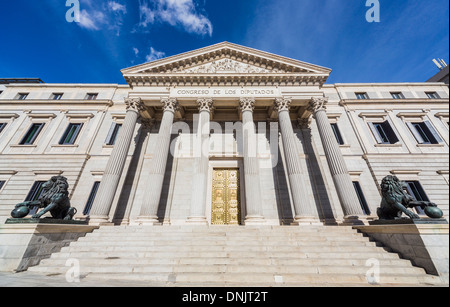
(226, 205)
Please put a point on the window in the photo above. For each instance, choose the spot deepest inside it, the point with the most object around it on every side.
(398, 95)
(87, 208)
(337, 133)
(113, 133)
(22, 96)
(32, 134)
(2, 126)
(91, 96)
(424, 133)
(34, 194)
(71, 134)
(383, 133)
(433, 95)
(362, 96)
(415, 189)
(2, 183)
(57, 96)
(361, 197)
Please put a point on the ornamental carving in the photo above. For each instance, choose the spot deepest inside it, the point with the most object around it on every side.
(317, 104)
(170, 104)
(247, 104)
(205, 104)
(283, 104)
(227, 66)
(134, 104)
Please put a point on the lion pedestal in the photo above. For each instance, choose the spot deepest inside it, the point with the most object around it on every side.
(24, 242)
(424, 241)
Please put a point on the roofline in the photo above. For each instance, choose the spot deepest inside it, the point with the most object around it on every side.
(385, 84)
(21, 81)
(70, 85)
(173, 58)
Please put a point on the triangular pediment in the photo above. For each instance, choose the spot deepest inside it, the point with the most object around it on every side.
(225, 61)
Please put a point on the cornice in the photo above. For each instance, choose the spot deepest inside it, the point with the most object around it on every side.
(225, 79)
(186, 69)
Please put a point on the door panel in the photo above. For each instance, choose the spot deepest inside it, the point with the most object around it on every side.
(226, 209)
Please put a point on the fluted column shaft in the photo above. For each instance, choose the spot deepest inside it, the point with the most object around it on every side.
(113, 172)
(251, 165)
(201, 163)
(338, 168)
(149, 209)
(305, 212)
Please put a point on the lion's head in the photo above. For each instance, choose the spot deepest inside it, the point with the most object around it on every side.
(56, 185)
(391, 185)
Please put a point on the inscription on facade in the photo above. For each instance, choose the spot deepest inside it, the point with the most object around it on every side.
(269, 92)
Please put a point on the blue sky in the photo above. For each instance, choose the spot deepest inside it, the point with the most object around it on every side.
(37, 41)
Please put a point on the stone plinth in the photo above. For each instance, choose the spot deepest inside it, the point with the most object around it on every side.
(44, 221)
(25, 244)
(424, 242)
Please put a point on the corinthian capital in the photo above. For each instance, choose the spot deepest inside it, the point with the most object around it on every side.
(170, 104)
(134, 104)
(205, 104)
(317, 104)
(247, 104)
(283, 104)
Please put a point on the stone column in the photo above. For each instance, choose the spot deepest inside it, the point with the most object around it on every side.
(305, 212)
(113, 172)
(149, 209)
(342, 180)
(201, 164)
(251, 166)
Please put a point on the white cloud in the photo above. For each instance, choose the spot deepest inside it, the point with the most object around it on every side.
(136, 51)
(146, 15)
(117, 7)
(96, 17)
(91, 21)
(154, 55)
(181, 13)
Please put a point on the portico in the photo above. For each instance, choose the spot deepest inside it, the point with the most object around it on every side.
(216, 100)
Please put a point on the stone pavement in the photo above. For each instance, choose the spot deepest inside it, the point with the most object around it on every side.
(32, 279)
(29, 279)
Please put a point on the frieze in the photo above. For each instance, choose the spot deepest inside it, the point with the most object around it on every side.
(224, 92)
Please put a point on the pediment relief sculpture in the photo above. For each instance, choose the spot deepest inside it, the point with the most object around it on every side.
(227, 66)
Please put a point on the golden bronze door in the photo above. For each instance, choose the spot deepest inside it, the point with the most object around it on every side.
(226, 208)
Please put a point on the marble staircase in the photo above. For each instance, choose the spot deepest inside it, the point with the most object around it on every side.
(235, 256)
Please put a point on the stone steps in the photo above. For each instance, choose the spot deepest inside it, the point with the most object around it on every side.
(235, 237)
(248, 268)
(218, 256)
(320, 255)
(226, 261)
(266, 279)
(227, 246)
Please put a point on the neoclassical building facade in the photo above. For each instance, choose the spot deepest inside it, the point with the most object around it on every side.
(224, 135)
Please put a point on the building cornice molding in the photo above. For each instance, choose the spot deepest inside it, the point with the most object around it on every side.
(226, 64)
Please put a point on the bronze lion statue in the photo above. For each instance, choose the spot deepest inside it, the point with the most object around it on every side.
(396, 201)
(54, 199)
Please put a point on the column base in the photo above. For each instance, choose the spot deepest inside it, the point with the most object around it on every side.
(99, 220)
(255, 220)
(306, 221)
(197, 220)
(351, 220)
(148, 221)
